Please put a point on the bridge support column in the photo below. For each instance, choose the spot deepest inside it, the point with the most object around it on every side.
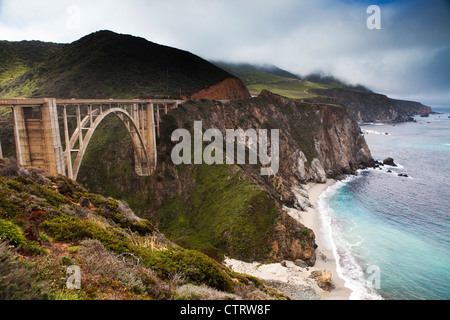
(150, 136)
(38, 142)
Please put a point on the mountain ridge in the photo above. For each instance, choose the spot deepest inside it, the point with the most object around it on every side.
(107, 64)
(363, 104)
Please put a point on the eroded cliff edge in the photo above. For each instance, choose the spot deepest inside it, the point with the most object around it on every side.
(228, 89)
(366, 106)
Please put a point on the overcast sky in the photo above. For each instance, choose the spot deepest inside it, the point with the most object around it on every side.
(409, 57)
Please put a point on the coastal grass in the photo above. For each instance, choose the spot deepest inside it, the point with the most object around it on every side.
(224, 214)
(65, 214)
(293, 89)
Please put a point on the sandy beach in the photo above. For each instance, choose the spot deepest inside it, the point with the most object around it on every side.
(312, 220)
(291, 279)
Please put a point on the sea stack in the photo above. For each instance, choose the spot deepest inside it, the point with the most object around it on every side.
(389, 161)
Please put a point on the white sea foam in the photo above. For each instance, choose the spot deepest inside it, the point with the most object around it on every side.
(347, 267)
(365, 131)
(399, 165)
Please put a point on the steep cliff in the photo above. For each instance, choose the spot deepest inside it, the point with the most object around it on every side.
(218, 209)
(366, 106)
(231, 209)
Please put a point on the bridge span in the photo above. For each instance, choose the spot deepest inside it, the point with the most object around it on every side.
(53, 134)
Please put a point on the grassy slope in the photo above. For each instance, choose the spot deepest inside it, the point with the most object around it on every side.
(225, 214)
(361, 103)
(275, 80)
(50, 222)
(19, 57)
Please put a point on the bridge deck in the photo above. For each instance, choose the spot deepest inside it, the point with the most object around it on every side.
(36, 102)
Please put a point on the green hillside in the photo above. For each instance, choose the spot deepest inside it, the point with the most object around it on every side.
(271, 78)
(110, 65)
(48, 223)
(276, 80)
(19, 57)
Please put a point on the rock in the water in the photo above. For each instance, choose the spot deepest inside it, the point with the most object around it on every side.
(323, 278)
(389, 161)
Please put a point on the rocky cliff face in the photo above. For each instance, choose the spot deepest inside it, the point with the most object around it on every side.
(372, 107)
(228, 89)
(232, 209)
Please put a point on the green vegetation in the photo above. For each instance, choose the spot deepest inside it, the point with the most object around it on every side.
(278, 81)
(109, 65)
(284, 83)
(11, 233)
(293, 89)
(50, 222)
(224, 214)
(19, 57)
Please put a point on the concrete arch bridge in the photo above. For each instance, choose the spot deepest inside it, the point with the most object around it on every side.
(53, 134)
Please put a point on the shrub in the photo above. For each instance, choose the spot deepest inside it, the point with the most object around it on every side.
(66, 261)
(72, 229)
(9, 167)
(193, 292)
(65, 228)
(11, 233)
(74, 249)
(18, 280)
(196, 267)
(35, 248)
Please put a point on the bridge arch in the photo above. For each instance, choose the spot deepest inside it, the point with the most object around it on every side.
(39, 142)
(142, 158)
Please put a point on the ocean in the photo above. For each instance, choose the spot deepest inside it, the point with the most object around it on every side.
(390, 234)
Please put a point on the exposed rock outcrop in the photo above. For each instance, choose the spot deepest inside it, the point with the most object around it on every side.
(366, 106)
(228, 89)
(389, 161)
(323, 278)
(293, 241)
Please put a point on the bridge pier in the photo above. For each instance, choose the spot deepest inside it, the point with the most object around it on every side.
(36, 131)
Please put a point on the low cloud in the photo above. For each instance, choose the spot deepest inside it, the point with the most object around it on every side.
(408, 57)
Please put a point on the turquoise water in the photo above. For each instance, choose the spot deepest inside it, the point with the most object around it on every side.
(390, 234)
